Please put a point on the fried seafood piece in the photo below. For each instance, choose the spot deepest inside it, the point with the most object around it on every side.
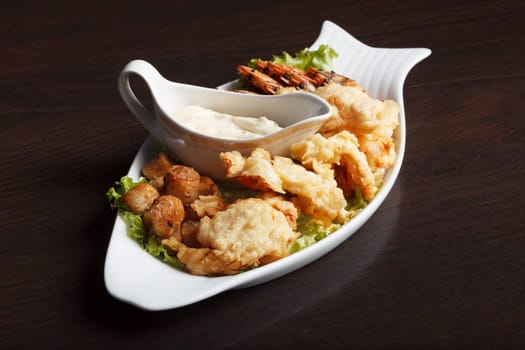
(388, 120)
(372, 121)
(140, 197)
(380, 153)
(183, 182)
(208, 205)
(208, 187)
(356, 111)
(188, 233)
(341, 153)
(156, 168)
(247, 230)
(165, 216)
(203, 261)
(248, 233)
(208, 202)
(286, 207)
(255, 172)
(316, 194)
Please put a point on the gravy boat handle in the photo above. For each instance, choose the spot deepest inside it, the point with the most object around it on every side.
(152, 77)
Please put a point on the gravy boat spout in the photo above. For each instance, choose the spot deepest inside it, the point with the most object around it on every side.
(299, 114)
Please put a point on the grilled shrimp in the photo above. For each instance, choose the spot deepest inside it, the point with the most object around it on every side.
(260, 80)
(274, 78)
(286, 75)
(322, 78)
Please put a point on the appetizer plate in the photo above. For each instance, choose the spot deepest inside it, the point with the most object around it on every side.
(135, 277)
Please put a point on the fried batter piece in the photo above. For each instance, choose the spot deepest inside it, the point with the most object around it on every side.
(340, 152)
(353, 109)
(372, 121)
(156, 168)
(165, 216)
(286, 207)
(203, 261)
(316, 194)
(183, 182)
(255, 172)
(140, 197)
(208, 205)
(380, 153)
(188, 232)
(249, 232)
(207, 187)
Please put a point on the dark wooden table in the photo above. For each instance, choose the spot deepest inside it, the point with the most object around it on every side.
(440, 265)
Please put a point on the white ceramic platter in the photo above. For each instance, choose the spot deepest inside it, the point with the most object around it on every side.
(133, 276)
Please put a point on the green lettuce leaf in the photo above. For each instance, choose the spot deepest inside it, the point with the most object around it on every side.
(137, 232)
(114, 194)
(356, 202)
(322, 58)
(135, 227)
(159, 251)
(311, 232)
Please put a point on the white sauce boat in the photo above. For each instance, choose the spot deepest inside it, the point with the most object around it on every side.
(300, 115)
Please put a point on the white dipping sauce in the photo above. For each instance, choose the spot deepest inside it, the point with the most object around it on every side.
(212, 123)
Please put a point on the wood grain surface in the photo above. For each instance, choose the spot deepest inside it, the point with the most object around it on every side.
(440, 265)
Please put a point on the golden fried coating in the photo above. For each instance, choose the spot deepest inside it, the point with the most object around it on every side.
(357, 112)
(290, 211)
(249, 232)
(188, 230)
(254, 172)
(183, 182)
(208, 187)
(353, 109)
(373, 122)
(140, 197)
(246, 231)
(165, 216)
(317, 195)
(156, 168)
(342, 149)
(208, 205)
(203, 261)
(380, 153)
